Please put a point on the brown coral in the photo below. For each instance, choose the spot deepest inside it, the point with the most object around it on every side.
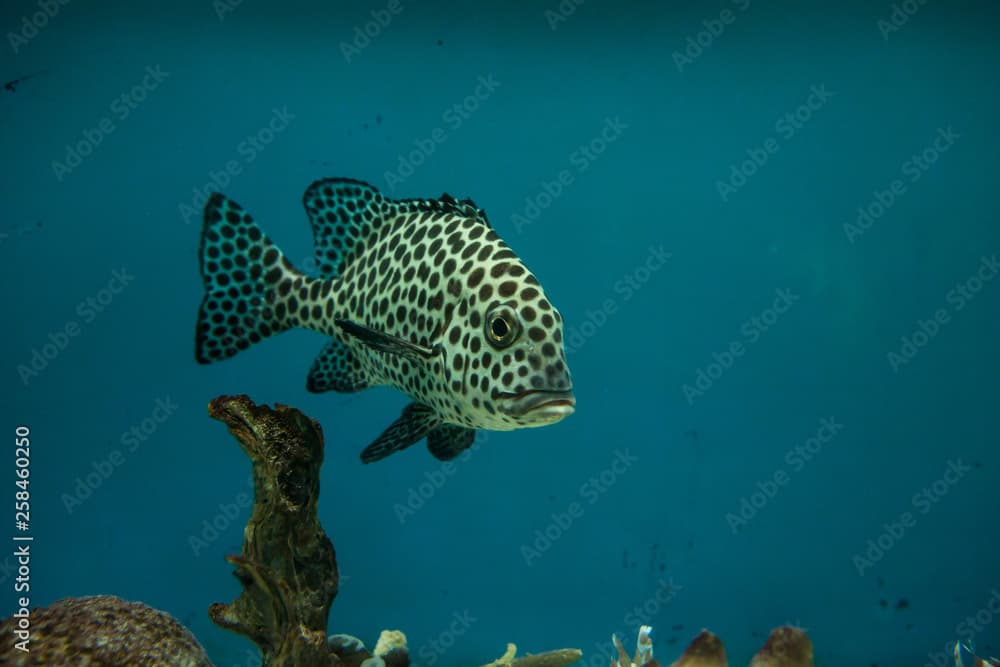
(705, 650)
(287, 567)
(103, 631)
(785, 647)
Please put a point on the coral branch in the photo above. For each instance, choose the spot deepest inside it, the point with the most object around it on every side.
(559, 658)
(288, 567)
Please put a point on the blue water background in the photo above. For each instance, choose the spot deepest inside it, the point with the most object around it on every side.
(659, 536)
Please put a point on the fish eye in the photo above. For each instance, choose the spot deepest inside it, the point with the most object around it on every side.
(501, 327)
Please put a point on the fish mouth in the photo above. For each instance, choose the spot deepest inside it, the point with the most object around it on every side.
(539, 405)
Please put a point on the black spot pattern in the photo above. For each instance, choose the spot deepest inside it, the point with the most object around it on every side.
(236, 310)
(336, 369)
(425, 271)
(413, 425)
(449, 440)
(343, 213)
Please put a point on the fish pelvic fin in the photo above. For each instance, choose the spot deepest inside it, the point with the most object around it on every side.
(244, 274)
(447, 441)
(413, 425)
(336, 369)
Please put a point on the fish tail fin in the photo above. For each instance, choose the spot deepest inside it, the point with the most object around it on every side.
(246, 279)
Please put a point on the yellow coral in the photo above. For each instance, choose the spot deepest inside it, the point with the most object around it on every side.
(507, 659)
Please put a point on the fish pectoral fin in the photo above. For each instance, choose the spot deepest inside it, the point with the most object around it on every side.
(336, 369)
(449, 440)
(415, 423)
(384, 342)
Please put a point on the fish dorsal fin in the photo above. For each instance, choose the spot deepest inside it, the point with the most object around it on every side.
(465, 207)
(344, 212)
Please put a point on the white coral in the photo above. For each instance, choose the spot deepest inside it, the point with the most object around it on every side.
(643, 650)
(388, 641)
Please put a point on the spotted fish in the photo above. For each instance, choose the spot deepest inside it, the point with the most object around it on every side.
(418, 294)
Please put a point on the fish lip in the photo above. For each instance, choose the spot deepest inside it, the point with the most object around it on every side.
(545, 405)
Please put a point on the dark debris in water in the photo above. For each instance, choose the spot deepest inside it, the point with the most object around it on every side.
(11, 86)
(20, 230)
(366, 125)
